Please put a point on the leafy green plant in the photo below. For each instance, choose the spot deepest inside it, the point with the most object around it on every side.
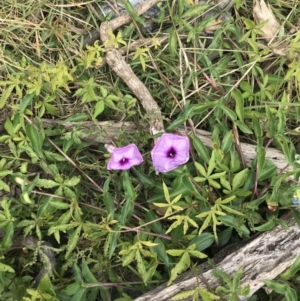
(232, 287)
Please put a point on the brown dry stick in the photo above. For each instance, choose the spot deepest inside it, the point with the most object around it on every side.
(115, 60)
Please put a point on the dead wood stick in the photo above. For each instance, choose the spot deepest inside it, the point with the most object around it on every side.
(106, 131)
(265, 257)
(115, 60)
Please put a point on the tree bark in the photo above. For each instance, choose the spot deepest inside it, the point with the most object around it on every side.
(265, 257)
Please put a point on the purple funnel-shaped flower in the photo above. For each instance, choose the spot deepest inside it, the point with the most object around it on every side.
(123, 158)
(169, 152)
(295, 202)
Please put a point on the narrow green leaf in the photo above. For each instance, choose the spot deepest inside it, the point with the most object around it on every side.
(277, 287)
(5, 95)
(99, 108)
(239, 179)
(78, 117)
(201, 169)
(166, 193)
(73, 239)
(227, 142)
(44, 183)
(180, 267)
(156, 226)
(243, 127)
(130, 193)
(229, 113)
(256, 127)
(202, 241)
(195, 11)
(239, 103)
(26, 101)
(173, 43)
(6, 268)
(36, 139)
(266, 226)
(87, 274)
(59, 204)
(161, 251)
(126, 211)
(200, 148)
(130, 9)
(271, 122)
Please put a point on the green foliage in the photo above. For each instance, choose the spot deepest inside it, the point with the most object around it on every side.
(136, 229)
(232, 287)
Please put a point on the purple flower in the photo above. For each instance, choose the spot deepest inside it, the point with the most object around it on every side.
(123, 158)
(295, 202)
(169, 152)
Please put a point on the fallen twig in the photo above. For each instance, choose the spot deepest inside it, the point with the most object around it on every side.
(106, 131)
(115, 60)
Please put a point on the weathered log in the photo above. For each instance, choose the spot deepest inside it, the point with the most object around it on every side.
(107, 131)
(265, 257)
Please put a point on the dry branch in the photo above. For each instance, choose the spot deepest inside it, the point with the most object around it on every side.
(115, 60)
(106, 131)
(263, 258)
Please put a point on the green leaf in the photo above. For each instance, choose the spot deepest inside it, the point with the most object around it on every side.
(166, 193)
(87, 274)
(130, 9)
(173, 43)
(271, 122)
(180, 267)
(155, 226)
(73, 239)
(239, 179)
(228, 112)
(72, 182)
(6, 268)
(108, 200)
(44, 183)
(4, 186)
(200, 148)
(256, 127)
(77, 117)
(266, 226)
(130, 193)
(227, 142)
(5, 95)
(243, 127)
(202, 241)
(126, 211)
(277, 287)
(160, 249)
(80, 295)
(143, 178)
(201, 169)
(282, 140)
(36, 139)
(112, 240)
(140, 263)
(268, 172)
(99, 108)
(239, 103)
(175, 253)
(195, 11)
(59, 204)
(26, 101)
(260, 155)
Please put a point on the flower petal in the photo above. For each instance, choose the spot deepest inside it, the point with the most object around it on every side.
(123, 158)
(162, 161)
